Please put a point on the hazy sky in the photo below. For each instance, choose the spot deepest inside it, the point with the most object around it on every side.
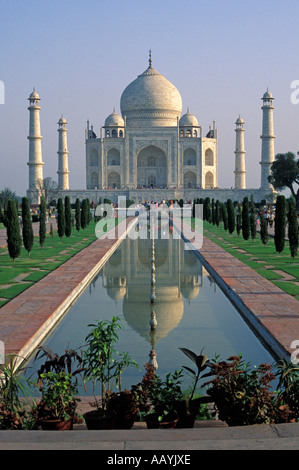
(80, 55)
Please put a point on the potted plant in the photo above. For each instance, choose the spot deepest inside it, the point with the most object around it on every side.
(164, 398)
(242, 395)
(190, 407)
(14, 412)
(103, 366)
(288, 391)
(124, 406)
(57, 406)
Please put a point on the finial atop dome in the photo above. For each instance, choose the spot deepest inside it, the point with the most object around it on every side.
(150, 58)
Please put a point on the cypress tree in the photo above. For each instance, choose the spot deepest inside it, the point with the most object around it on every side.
(78, 214)
(239, 219)
(264, 230)
(68, 216)
(280, 224)
(14, 239)
(224, 216)
(61, 218)
(293, 227)
(231, 217)
(83, 214)
(252, 219)
(27, 230)
(245, 219)
(217, 213)
(208, 212)
(42, 221)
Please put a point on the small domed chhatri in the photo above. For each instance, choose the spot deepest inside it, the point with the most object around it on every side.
(114, 120)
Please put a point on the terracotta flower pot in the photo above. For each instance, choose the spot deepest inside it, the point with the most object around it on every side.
(152, 422)
(57, 424)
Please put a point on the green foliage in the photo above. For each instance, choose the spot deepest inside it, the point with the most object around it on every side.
(58, 396)
(224, 216)
(14, 239)
(239, 219)
(231, 217)
(102, 363)
(165, 395)
(252, 217)
(42, 222)
(27, 229)
(285, 174)
(280, 224)
(78, 214)
(293, 228)
(68, 216)
(217, 213)
(84, 214)
(61, 218)
(245, 219)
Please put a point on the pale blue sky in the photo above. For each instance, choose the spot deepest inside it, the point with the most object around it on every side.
(221, 55)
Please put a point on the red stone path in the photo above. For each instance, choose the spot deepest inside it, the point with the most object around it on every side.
(27, 318)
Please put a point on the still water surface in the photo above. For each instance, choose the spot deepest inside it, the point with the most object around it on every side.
(191, 310)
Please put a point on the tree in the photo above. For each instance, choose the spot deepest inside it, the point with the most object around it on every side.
(84, 214)
(285, 174)
(14, 239)
(42, 221)
(5, 195)
(213, 212)
(207, 213)
(27, 230)
(280, 224)
(61, 218)
(224, 216)
(231, 216)
(293, 227)
(252, 219)
(239, 219)
(245, 219)
(46, 187)
(264, 230)
(78, 214)
(217, 213)
(68, 216)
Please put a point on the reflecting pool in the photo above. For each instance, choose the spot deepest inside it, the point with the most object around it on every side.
(191, 311)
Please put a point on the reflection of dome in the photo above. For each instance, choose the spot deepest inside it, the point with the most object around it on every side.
(190, 292)
(188, 120)
(168, 315)
(116, 293)
(151, 100)
(114, 120)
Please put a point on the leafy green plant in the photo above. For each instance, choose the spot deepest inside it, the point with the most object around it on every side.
(13, 413)
(102, 363)
(242, 395)
(288, 388)
(165, 396)
(58, 396)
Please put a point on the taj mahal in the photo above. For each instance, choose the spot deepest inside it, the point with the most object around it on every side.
(152, 151)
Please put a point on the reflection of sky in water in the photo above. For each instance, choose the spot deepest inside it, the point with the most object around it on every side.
(191, 310)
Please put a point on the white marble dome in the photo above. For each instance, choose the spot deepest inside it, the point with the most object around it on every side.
(188, 120)
(114, 120)
(151, 101)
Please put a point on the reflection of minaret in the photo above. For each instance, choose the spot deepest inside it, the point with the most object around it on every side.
(240, 182)
(63, 172)
(35, 149)
(267, 140)
(153, 319)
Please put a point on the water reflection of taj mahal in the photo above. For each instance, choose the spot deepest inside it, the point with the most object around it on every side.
(178, 274)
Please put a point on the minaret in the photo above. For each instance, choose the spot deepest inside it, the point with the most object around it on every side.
(35, 149)
(63, 172)
(240, 179)
(267, 140)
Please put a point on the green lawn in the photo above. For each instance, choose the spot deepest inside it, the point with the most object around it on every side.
(263, 259)
(17, 276)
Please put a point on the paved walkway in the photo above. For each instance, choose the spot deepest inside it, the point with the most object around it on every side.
(25, 319)
(35, 225)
